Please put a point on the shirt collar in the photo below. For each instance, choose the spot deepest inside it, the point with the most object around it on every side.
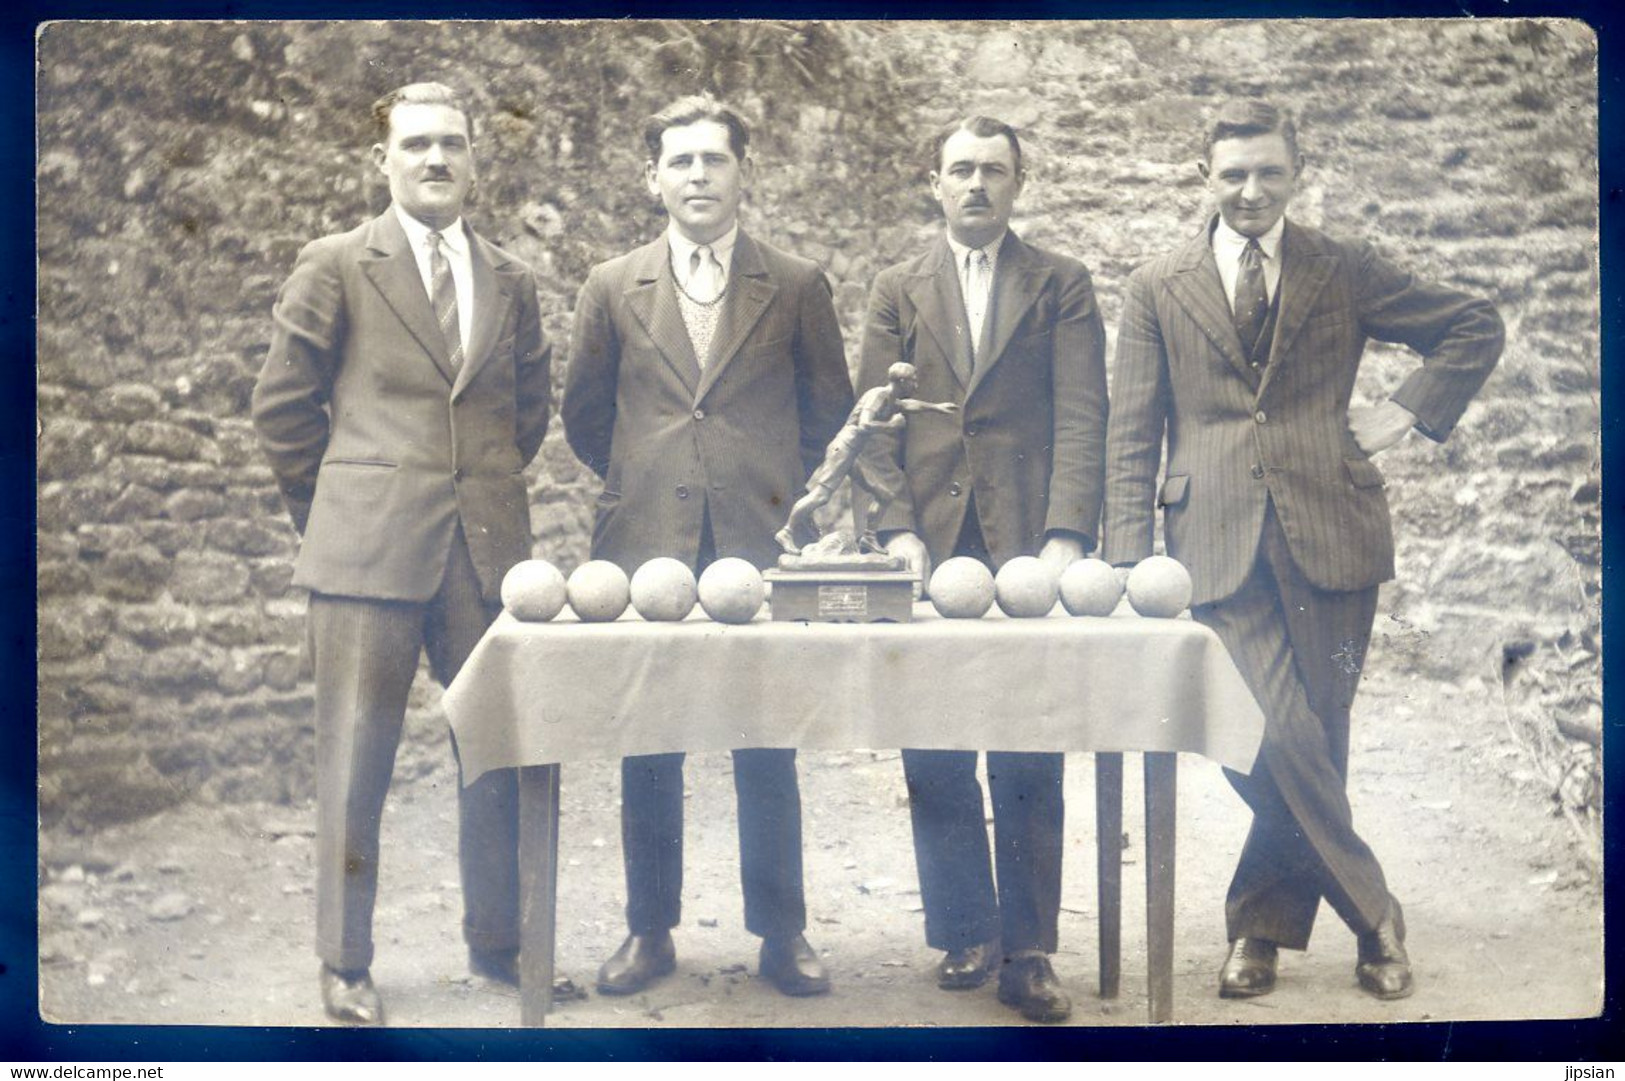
(453, 236)
(962, 250)
(683, 249)
(1229, 243)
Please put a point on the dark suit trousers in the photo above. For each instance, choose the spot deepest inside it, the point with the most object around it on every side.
(769, 809)
(962, 907)
(1300, 650)
(366, 654)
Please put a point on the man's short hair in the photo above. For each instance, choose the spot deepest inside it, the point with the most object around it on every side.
(692, 110)
(418, 94)
(1246, 117)
(900, 371)
(983, 127)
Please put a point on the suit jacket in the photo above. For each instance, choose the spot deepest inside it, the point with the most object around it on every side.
(1030, 439)
(671, 441)
(381, 449)
(1238, 437)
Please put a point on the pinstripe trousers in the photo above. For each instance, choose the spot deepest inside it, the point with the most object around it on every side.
(1300, 649)
(366, 653)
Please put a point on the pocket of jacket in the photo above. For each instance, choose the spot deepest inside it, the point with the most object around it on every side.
(359, 463)
(1174, 490)
(1362, 473)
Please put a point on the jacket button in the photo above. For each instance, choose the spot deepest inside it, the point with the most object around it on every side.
(1258, 472)
(699, 414)
(682, 491)
(971, 430)
(456, 474)
(1260, 417)
(954, 489)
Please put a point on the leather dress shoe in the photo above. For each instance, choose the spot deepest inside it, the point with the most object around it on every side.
(791, 965)
(1384, 968)
(1249, 971)
(1030, 985)
(641, 960)
(350, 997)
(502, 966)
(967, 969)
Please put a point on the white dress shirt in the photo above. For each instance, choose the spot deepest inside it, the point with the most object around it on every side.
(1227, 248)
(976, 304)
(455, 246)
(683, 249)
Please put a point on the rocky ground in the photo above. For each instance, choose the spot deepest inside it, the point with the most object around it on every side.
(203, 914)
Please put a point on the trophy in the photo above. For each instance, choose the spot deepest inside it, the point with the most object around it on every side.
(849, 577)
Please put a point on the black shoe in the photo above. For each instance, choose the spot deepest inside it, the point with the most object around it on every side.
(1030, 985)
(1249, 970)
(641, 960)
(502, 966)
(1384, 968)
(790, 965)
(350, 997)
(967, 969)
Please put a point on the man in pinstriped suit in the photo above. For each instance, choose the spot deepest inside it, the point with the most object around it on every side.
(1242, 347)
(706, 376)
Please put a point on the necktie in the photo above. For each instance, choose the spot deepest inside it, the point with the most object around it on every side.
(1252, 300)
(980, 276)
(443, 294)
(704, 275)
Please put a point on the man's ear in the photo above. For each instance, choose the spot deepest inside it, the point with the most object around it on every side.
(651, 178)
(1298, 165)
(378, 154)
(936, 185)
(747, 170)
(1201, 168)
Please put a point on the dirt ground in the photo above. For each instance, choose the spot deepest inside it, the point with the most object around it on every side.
(204, 914)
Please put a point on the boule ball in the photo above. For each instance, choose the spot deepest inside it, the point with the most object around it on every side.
(1026, 588)
(1090, 587)
(732, 590)
(1159, 586)
(598, 591)
(663, 589)
(962, 588)
(533, 590)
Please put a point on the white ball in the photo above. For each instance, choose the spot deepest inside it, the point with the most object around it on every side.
(732, 590)
(1090, 587)
(533, 590)
(1159, 586)
(598, 591)
(1026, 588)
(962, 588)
(663, 590)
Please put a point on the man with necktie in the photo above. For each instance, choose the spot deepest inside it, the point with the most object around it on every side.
(706, 376)
(405, 389)
(1012, 335)
(1241, 348)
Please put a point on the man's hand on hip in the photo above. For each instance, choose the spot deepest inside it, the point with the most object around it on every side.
(1378, 427)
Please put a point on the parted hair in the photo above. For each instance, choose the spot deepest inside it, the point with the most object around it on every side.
(418, 94)
(692, 110)
(983, 127)
(1245, 117)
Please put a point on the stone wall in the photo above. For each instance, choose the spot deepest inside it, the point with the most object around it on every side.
(181, 167)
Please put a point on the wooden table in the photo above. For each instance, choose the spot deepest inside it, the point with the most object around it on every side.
(536, 694)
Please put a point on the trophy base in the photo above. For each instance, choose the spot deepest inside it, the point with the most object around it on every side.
(842, 596)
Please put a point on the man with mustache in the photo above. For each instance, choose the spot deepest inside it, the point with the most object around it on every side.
(706, 377)
(1012, 335)
(405, 388)
(1240, 348)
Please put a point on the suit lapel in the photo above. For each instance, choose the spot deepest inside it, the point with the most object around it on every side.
(750, 290)
(940, 306)
(493, 292)
(653, 300)
(1016, 285)
(393, 270)
(1196, 285)
(1305, 270)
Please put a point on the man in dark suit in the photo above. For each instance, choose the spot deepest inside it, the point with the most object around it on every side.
(706, 375)
(1012, 335)
(1241, 347)
(405, 389)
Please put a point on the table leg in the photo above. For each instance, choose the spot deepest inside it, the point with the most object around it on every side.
(1109, 867)
(538, 889)
(1161, 771)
